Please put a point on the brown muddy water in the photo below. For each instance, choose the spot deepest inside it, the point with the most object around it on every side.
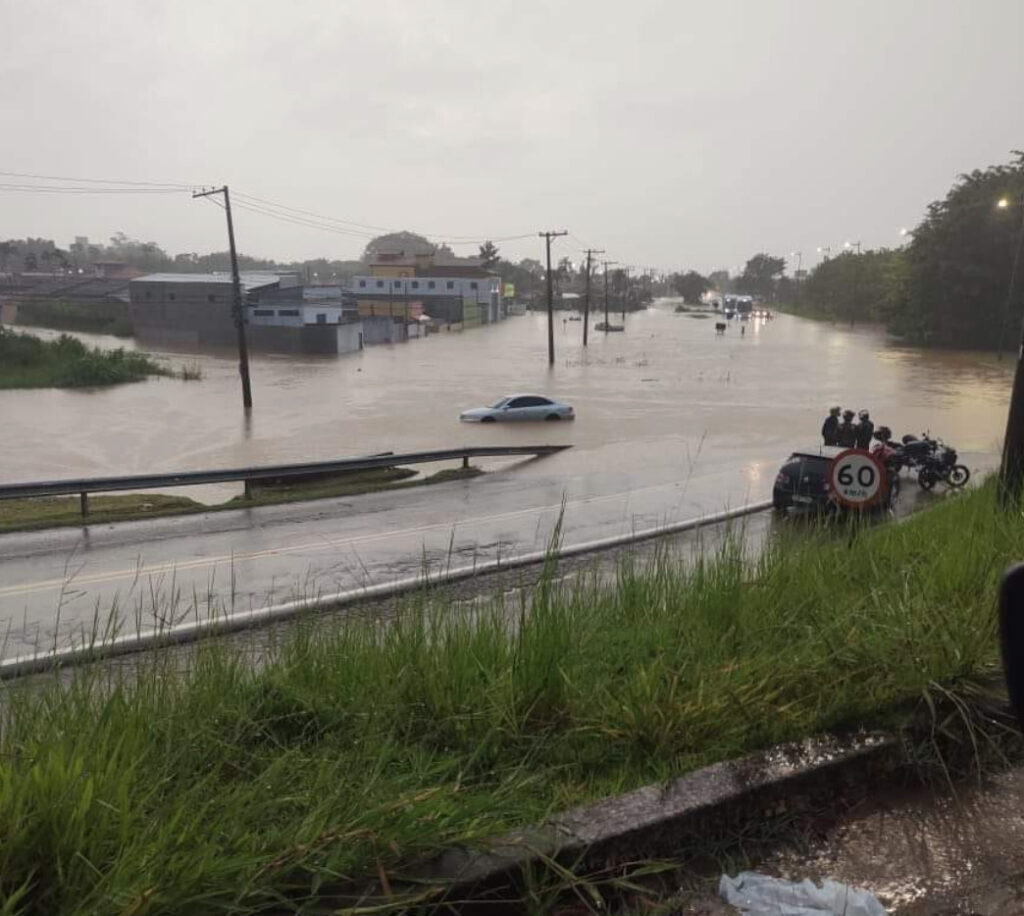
(666, 392)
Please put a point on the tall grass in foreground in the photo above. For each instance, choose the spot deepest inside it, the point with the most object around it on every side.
(358, 746)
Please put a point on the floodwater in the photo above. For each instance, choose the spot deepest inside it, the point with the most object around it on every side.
(667, 392)
(673, 423)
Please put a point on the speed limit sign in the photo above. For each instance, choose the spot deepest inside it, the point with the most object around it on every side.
(858, 479)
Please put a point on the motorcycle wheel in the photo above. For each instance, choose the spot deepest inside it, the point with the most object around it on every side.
(894, 487)
(958, 475)
(927, 479)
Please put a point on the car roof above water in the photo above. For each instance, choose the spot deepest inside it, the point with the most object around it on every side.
(828, 452)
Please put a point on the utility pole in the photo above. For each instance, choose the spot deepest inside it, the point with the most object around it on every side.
(236, 306)
(1011, 473)
(625, 290)
(606, 265)
(548, 236)
(586, 302)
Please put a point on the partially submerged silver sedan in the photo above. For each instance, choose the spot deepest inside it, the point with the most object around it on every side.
(519, 407)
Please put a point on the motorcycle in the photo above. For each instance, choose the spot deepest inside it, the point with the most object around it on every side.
(934, 461)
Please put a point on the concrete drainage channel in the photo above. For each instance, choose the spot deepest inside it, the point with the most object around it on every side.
(195, 631)
(683, 820)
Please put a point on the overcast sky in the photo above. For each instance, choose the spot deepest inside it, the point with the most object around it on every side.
(673, 134)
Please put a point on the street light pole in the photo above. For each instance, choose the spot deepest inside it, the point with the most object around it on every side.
(1011, 473)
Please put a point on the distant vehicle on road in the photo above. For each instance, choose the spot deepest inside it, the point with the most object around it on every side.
(519, 407)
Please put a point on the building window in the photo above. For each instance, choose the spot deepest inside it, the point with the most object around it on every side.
(415, 284)
(288, 313)
(398, 284)
(211, 298)
(472, 285)
(170, 296)
(321, 318)
(451, 284)
(430, 284)
(362, 284)
(263, 313)
(380, 284)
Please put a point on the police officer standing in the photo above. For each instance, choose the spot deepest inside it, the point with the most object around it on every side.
(865, 429)
(846, 435)
(830, 428)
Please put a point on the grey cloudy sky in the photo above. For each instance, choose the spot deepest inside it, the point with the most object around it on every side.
(669, 133)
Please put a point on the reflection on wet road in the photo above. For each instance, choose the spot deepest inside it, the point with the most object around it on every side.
(673, 422)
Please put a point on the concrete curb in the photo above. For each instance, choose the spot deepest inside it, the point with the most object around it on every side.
(648, 823)
(194, 631)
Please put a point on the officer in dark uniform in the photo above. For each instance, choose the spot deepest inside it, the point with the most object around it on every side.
(846, 435)
(830, 428)
(865, 430)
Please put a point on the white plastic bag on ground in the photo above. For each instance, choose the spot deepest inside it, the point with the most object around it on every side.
(759, 895)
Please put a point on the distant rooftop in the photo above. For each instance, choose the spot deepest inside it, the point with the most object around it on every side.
(250, 279)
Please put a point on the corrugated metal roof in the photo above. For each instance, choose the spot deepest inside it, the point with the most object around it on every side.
(250, 279)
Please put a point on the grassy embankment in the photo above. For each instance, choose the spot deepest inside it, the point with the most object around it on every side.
(356, 747)
(95, 317)
(63, 511)
(28, 362)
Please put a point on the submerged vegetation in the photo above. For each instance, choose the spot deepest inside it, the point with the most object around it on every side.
(207, 785)
(28, 362)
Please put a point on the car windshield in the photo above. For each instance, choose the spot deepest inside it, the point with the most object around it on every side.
(498, 404)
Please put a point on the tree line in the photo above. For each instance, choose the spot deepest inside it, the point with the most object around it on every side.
(952, 284)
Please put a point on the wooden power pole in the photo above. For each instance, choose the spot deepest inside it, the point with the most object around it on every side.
(606, 266)
(237, 311)
(548, 236)
(586, 302)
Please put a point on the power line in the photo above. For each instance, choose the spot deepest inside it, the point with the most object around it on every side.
(159, 184)
(65, 189)
(320, 217)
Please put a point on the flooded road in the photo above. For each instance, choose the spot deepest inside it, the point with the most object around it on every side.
(665, 395)
(673, 422)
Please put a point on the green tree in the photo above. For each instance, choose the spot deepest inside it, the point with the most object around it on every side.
(720, 280)
(759, 276)
(959, 263)
(405, 242)
(489, 255)
(851, 287)
(690, 285)
(6, 250)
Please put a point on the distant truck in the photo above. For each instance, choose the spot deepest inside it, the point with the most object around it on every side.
(738, 305)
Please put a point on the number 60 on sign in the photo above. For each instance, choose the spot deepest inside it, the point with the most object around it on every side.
(858, 479)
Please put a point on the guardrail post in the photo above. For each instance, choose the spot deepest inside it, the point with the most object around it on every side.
(83, 503)
(248, 488)
(465, 461)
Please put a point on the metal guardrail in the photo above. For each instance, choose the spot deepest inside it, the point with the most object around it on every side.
(88, 485)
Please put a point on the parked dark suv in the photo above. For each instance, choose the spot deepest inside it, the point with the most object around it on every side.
(803, 480)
